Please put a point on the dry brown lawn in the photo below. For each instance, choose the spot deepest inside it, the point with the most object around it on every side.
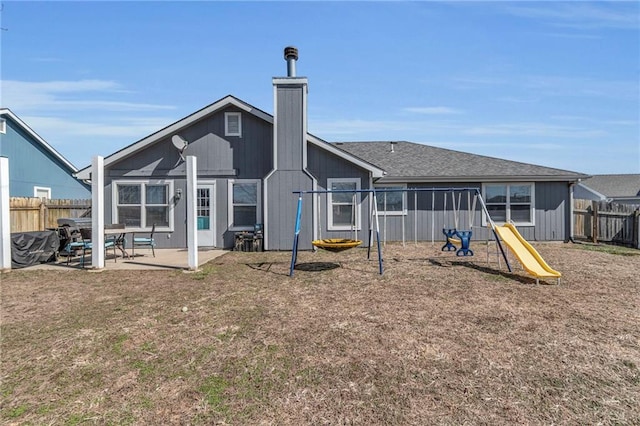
(435, 340)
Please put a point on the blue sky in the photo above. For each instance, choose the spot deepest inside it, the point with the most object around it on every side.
(549, 83)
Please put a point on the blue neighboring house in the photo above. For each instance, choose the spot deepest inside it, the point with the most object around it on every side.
(35, 168)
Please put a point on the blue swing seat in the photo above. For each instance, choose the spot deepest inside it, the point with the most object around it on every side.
(461, 238)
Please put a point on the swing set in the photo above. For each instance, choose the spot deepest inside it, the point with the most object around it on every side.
(455, 239)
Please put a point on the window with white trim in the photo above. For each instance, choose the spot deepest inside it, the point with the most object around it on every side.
(513, 202)
(342, 206)
(233, 124)
(3, 126)
(42, 192)
(244, 204)
(141, 204)
(391, 203)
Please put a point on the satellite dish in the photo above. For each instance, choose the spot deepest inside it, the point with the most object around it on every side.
(180, 144)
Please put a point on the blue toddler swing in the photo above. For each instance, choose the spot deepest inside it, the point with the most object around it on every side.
(453, 236)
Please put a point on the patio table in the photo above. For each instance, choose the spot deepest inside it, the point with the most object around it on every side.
(120, 234)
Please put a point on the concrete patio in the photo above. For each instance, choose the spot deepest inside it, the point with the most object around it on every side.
(167, 259)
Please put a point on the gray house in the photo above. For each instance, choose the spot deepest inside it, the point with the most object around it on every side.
(619, 188)
(249, 162)
(535, 198)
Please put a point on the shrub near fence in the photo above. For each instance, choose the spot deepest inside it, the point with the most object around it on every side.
(36, 214)
(600, 221)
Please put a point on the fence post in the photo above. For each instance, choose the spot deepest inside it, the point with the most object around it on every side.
(594, 222)
(41, 216)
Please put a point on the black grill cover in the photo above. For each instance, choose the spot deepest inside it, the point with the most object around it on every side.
(31, 248)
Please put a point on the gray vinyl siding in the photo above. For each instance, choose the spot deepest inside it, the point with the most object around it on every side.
(426, 224)
(551, 201)
(281, 203)
(552, 211)
(246, 157)
(290, 127)
(219, 158)
(283, 208)
(323, 166)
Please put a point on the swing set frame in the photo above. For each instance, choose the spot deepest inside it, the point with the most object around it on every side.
(374, 217)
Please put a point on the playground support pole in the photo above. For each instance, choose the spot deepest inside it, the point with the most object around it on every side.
(384, 233)
(403, 227)
(296, 236)
(354, 211)
(493, 228)
(380, 260)
(433, 217)
(415, 218)
(372, 201)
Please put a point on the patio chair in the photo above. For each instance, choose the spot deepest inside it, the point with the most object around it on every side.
(85, 245)
(145, 242)
(72, 242)
(117, 234)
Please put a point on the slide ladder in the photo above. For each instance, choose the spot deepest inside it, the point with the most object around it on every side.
(530, 259)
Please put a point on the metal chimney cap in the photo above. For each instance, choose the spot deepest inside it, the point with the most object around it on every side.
(290, 52)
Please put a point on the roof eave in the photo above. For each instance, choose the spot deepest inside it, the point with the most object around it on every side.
(376, 172)
(487, 178)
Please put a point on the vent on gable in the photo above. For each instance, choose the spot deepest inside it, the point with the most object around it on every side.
(232, 124)
(3, 125)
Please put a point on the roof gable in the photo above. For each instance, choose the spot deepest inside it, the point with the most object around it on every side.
(7, 113)
(614, 185)
(175, 128)
(408, 161)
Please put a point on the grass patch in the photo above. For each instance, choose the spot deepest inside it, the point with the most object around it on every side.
(609, 249)
(430, 341)
(213, 389)
(201, 274)
(145, 369)
(119, 342)
(17, 411)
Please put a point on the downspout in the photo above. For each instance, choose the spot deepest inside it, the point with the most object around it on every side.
(571, 214)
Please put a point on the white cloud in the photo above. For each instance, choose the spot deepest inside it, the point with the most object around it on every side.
(534, 87)
(532, 129)
(25, 96)
(378, 129)
(438, 110)
(580, 15)
(125, 127)
(466, 145)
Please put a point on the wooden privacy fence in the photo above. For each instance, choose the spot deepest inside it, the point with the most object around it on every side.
(36, 214)
(600, 221)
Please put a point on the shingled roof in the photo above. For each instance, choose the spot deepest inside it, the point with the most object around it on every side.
(412, 162)
(615, 186)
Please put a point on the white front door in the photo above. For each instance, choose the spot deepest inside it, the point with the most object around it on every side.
(205, 207)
